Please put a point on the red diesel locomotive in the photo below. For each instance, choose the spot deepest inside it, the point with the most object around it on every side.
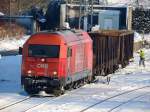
(54, 61)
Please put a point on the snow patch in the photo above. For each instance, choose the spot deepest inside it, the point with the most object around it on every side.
(12, 44)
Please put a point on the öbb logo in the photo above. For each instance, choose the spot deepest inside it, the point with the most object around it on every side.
(42, 66)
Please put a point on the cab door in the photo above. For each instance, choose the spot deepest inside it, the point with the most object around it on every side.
(69, 55)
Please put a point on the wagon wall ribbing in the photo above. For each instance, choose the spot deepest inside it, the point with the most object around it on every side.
(111, 48)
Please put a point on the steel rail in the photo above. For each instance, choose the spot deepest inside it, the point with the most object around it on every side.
(127, 101)
(16, 102)
(126, 92)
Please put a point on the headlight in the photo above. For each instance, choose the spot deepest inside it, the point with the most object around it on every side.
(43, 60)
(55, 73)
(29, 72)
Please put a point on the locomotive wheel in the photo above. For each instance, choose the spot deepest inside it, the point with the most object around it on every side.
(59, 91)
(75, 85)
(69, 86)
(125, 63)
(31, 91)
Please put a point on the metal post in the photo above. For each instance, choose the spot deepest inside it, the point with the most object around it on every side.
(10, 15)
(106, 2)
(9, 7)
(86, 16)
(66, 15)
(91, 13)
(19, 8)
(80, 11)
(137, 2)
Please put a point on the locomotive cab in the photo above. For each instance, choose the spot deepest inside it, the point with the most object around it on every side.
(41, 65)
(50, 61)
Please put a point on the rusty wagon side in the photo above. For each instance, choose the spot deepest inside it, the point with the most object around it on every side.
(126, 47)
(111, 48)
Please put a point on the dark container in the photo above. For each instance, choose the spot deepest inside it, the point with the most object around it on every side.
(111, 48)
(126, 47)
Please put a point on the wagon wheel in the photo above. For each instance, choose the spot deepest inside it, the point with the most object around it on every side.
(124, 64)
(90, 79)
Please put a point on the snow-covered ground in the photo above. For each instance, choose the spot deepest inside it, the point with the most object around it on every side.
(95, 97)
(12, 44)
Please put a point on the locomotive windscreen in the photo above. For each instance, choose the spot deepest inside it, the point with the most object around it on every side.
(48, 51)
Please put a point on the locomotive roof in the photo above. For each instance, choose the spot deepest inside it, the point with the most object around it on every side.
(70, 36)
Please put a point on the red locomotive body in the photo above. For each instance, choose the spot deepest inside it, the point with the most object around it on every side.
(52, 61)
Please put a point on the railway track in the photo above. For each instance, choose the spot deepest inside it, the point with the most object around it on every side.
(29, 109)
(115, 96)
(14, 103)
(17, 104)
(91, 106)
(128, 101)
(36, 106)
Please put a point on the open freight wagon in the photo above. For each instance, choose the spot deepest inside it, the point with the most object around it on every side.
(111, 48)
